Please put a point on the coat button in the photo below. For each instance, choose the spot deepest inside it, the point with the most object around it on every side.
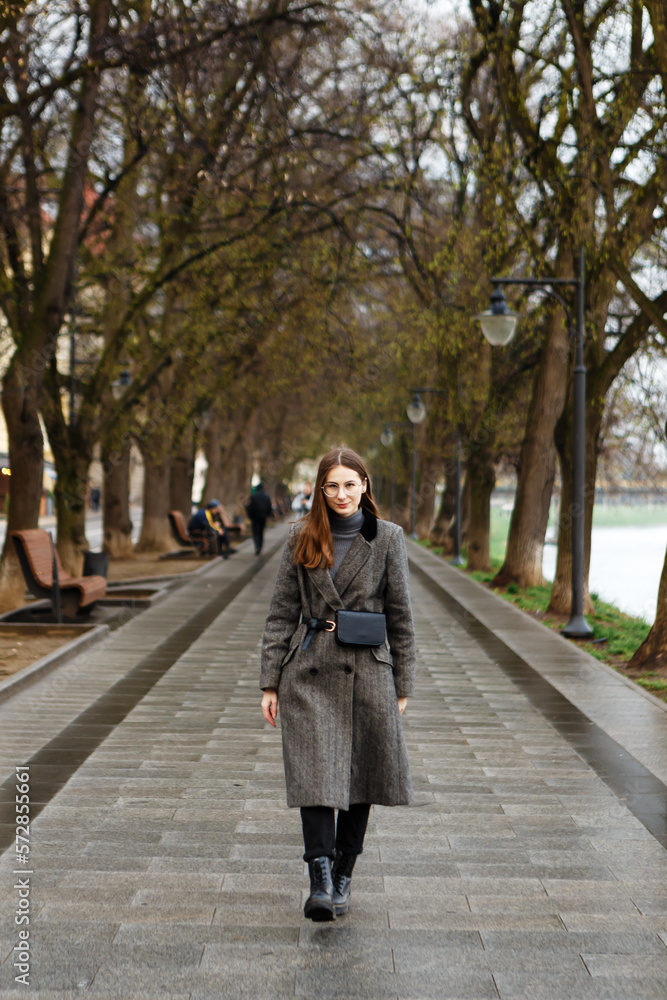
(348, 670)
(313, 671)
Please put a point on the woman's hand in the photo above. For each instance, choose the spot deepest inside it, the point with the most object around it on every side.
(270, 705)
(402, 702)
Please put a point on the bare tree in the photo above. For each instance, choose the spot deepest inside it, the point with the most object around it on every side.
(582, 110)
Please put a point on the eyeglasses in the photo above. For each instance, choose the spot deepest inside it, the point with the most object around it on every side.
(332, 490)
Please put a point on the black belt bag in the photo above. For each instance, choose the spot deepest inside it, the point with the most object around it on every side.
(358, 629)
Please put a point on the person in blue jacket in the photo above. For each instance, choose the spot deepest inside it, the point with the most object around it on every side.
(207, 523)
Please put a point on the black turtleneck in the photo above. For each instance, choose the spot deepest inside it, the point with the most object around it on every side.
(344, 530)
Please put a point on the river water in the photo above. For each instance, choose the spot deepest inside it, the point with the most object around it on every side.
(626, 563)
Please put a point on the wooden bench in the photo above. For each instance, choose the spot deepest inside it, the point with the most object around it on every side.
(78, 594)
(183, 537)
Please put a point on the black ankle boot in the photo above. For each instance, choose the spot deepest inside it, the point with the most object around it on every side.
(319, 905)
(341, 877)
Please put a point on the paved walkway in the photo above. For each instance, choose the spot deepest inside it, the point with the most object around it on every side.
(168, 866)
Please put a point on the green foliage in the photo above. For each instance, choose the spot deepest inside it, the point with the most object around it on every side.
(616, 635)
(653, 683)
(623, 633)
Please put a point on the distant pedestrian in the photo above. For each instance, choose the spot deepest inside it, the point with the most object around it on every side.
(259, 508)
(207, 523)
(303, 501)
(341, 694)
(95, 496)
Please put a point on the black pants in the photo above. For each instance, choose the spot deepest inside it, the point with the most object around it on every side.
(221, 540)
(258, 524)
(322, 836)
(217, 540)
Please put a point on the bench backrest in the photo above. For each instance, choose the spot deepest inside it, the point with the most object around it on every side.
(179, 526)
(225, 518)
(37, 547)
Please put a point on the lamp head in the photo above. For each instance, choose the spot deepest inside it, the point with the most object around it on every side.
(202, 420)
(387, 437)
(498, 322)
(119, 385)
(416, 410)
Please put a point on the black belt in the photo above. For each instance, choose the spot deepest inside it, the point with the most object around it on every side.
(317, 625)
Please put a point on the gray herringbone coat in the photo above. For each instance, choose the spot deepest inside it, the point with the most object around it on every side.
(341, 728)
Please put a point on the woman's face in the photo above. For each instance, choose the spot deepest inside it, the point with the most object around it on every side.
(345, 486)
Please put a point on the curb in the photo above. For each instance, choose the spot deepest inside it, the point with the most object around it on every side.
(170, 578)
(590, 661)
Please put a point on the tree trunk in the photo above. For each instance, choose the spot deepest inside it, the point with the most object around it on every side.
(182, 474)
(271, 453)
(537, 465)
(26, 461)
(116, 501)
(72, 446)
(561, 593)
(425, 512)
(652, 654)
(272, 474)
(404, 481)
(44, 309)
(482, 479)
(155, 531)
(403, 511)
(213, 486)
(442, 530)
(70, 492)
(466, 509)
(236, 480)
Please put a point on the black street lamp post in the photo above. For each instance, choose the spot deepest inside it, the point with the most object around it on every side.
(387, 439)
(372, 454)
(499, 326)
(416, 412)
(457, 559)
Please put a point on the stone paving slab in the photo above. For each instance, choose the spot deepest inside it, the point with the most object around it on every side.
(31, 717)
(169, 866)
(632, 716)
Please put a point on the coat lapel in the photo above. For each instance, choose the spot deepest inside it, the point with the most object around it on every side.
(321, 579)
(355, 558)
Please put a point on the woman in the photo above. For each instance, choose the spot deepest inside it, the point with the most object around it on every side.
(343, 745)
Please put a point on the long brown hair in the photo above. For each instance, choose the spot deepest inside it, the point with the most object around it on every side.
(314, 546)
